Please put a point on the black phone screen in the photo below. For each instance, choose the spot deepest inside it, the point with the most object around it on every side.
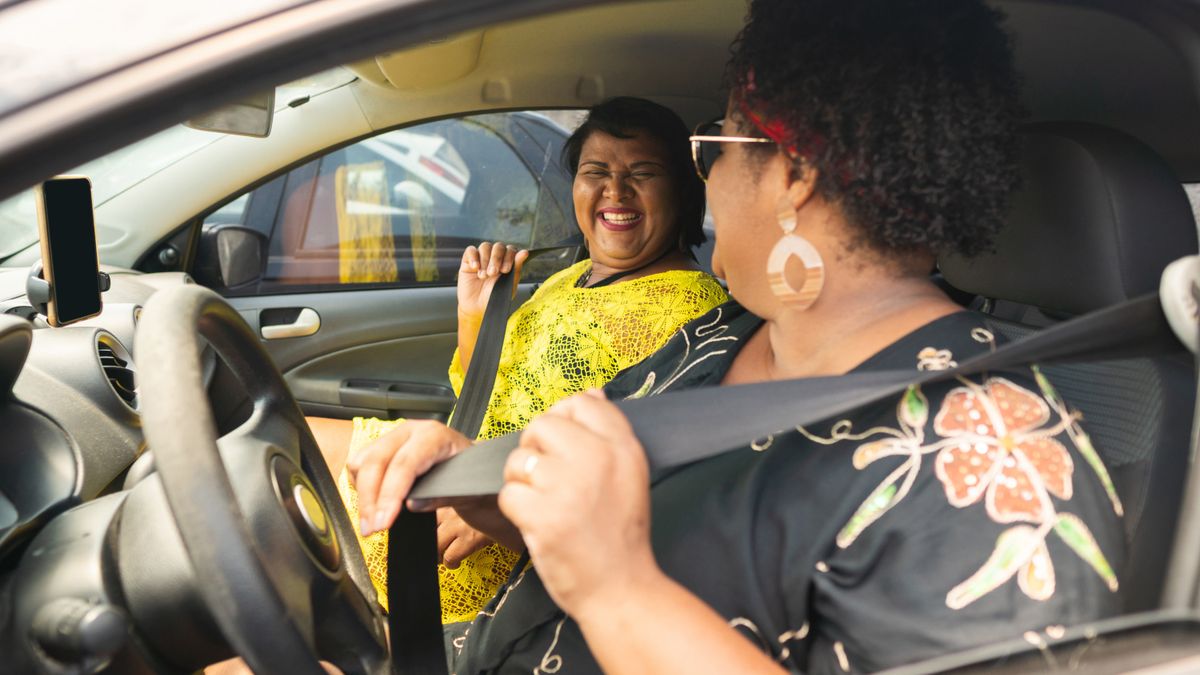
(69, 249)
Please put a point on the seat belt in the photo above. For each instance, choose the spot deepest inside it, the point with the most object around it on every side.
(414, 602)
(477, 386)
(678, 428)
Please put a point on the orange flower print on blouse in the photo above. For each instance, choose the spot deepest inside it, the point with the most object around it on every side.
(995, 442)
(1004, 452)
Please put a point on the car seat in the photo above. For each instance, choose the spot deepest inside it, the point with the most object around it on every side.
(1098, 217)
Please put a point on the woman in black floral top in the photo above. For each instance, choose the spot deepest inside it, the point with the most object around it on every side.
(862, 139)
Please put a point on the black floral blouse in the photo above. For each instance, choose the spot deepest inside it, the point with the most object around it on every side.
(965, 513)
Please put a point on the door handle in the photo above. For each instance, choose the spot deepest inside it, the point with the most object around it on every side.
(306, 322)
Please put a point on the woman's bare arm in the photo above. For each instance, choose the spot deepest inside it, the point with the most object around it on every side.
(578, 489)
(481, 267)
(333, 437)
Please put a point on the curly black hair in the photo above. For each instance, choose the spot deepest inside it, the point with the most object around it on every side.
(907, 110)
(626, 117)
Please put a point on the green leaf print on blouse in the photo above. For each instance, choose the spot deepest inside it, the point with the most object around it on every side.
(1082, 442)
(993, 443)
(1016, 551)
(1071, 530)
(914, 409)
(882, 499)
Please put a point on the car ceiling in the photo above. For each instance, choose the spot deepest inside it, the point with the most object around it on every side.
(1129, 65)
(671, 51)
(1125, 65)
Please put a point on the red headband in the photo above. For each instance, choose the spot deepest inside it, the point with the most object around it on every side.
(796, 145)
(772, 129)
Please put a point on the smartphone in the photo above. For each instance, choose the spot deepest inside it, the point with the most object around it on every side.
(70, 264)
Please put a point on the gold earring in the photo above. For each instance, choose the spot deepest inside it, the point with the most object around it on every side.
(792, 244)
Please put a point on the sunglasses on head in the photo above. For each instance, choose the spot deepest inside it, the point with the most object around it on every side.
(706, 145)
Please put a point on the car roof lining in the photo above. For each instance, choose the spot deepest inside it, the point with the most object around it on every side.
(672, 51)
(1152, 47)
(1106, 63)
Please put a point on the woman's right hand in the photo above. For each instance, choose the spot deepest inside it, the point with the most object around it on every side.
(481, 266)
(384, 471)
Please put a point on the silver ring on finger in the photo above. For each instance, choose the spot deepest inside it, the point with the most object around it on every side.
(529, 465)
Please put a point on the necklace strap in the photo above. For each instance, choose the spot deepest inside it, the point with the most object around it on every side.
(581, 282)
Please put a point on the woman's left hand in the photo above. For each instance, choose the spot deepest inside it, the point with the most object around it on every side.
(457, 539)
(577, 487)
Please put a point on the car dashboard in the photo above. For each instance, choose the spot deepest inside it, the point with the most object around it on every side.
(72, 425)
(73, 448)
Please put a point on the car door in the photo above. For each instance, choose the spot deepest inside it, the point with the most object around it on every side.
(346, 264)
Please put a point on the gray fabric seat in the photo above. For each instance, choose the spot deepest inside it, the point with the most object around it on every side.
(1099, 217)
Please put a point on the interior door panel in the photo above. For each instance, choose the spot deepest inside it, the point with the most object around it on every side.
(378, 352)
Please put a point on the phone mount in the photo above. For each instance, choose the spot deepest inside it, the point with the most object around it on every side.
(37, 289)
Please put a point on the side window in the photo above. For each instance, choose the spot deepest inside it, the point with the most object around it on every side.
(398, 209)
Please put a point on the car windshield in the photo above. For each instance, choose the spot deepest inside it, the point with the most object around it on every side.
(118, 171)
(49, 45)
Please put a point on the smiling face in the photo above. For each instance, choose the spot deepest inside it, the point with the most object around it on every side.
(626, 200)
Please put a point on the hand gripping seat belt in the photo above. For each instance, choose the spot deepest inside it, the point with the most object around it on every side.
(415, 617)
(675, 428)
(485, 359)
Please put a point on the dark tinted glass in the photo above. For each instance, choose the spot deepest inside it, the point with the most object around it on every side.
(71, 239)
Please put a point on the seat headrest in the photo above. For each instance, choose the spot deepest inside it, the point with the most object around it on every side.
(1098, 217)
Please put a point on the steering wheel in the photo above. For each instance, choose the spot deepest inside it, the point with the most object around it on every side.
(276, 561)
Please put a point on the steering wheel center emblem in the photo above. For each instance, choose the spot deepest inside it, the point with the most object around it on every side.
(306, 512)
(311, 510)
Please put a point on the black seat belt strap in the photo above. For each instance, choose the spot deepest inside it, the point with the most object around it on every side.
(477, 386)
(678, 427)
(414, 602)
(481, 372)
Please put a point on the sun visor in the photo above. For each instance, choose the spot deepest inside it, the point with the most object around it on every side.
(429, 64)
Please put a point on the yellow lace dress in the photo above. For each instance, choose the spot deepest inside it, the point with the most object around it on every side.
(562, 341)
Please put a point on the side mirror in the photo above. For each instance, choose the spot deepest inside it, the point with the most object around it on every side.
(230, 256)
(251, 116)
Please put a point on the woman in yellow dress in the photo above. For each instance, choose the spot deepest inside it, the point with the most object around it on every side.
(640, 207)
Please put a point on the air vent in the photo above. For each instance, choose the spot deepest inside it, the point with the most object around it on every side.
(119, 374)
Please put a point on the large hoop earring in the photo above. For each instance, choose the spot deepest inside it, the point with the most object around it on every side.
(792, 244)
